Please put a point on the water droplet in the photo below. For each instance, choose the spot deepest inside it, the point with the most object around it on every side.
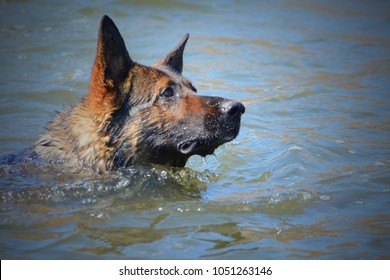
(102, 216)
(246, 208)
(164, 174)
(306, 196)
(295, 148)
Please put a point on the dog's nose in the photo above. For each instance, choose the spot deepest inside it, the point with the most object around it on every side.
(233, 108)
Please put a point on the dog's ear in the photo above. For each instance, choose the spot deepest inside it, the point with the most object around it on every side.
(112, 62)
(174, 58)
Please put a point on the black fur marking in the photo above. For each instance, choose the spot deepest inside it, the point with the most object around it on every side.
(122, 156)
(115, 54)
(118, 119)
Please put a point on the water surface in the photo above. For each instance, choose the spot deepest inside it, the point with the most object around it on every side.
(307, 178)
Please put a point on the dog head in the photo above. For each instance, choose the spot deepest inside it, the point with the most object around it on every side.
(153, 114)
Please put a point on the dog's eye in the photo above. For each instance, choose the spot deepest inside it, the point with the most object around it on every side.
(168, 92)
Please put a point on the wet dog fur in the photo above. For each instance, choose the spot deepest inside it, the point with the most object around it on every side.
(135, 114)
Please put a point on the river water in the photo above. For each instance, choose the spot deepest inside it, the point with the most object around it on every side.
(307, 178)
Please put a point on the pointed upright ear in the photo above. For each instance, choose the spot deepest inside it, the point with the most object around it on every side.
(112, 59)
(174, 58)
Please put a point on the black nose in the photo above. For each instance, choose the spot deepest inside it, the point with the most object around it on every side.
(233, 108)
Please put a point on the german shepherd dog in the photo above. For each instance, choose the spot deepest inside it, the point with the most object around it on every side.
(136, 114)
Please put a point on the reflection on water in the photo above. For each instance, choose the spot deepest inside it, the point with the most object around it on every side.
(307, 178)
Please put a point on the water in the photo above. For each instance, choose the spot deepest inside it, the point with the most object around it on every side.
(307, 178)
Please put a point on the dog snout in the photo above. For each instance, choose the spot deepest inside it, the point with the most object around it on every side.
(233, 108)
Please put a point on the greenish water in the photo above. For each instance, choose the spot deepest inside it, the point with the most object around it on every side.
(307, 178)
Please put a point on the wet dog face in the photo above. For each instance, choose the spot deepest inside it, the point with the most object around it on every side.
(154, 114)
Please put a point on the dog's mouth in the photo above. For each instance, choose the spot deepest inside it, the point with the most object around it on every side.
(196, 147)
(201, 146)
(187, 147)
